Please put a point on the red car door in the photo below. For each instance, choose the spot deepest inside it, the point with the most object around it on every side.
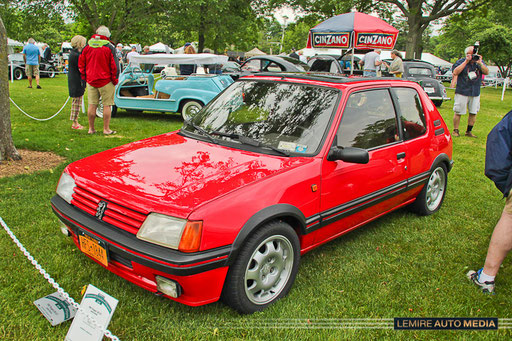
(352, 194)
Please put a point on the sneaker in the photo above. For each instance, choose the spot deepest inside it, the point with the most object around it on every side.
(487, 287)
(470, 134)
(456, 133)
(39, 87)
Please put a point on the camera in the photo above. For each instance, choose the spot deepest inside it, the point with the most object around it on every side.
(475, 51)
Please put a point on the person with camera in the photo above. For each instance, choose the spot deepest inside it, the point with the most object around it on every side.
(469, 71)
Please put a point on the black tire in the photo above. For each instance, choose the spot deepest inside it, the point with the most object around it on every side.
(438, 102)
(18, 74)
(432, 195)
(190, 108)
(272, 256)
(50, 72)
(114, 111)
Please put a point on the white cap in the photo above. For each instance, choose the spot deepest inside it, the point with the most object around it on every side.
(104, 31)
(119, 45)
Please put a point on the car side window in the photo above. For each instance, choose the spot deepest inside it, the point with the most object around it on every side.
(368, 120)
(272, 67)
(412, 117)
(251, 65)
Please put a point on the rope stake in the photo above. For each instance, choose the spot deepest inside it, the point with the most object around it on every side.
(50, 280)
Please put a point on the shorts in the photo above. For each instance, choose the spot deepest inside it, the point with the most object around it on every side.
(508, 203)
(106, 93)
(463, 103)
(32, 70)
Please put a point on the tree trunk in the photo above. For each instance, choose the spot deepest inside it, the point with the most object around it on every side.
(202, 28)
(7, 149)
(414, 35)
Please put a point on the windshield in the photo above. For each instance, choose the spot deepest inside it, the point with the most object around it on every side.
(420, 71)
(285, 116)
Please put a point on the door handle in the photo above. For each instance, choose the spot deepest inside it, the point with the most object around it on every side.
(400, 156)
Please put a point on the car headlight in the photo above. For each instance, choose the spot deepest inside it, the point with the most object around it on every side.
(174, 233)
(66, 186)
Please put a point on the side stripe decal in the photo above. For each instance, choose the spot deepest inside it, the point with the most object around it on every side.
(334, 214)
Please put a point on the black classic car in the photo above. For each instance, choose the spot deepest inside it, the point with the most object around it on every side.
(46, 68)
(268, 63)
(335, 64)
(424, 73)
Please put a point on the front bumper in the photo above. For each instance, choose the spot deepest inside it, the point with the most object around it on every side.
(201, 275)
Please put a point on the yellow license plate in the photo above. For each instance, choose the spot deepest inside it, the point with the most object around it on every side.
(93, 248)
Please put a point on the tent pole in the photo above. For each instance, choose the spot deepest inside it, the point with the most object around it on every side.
(352, 57)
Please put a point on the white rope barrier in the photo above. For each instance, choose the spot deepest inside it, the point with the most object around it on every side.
(39, 119)
(50, 280)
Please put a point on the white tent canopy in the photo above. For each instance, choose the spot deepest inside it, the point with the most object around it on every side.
(198, 58)
(12, 42)
(427, 57)
(254, 52)
(160, 47)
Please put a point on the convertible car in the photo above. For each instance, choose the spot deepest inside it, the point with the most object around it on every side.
(187, 94)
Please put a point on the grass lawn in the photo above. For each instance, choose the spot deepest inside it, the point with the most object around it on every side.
(401, 265)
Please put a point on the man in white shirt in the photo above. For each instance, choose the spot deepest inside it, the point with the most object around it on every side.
(132, 53)
(371, 61)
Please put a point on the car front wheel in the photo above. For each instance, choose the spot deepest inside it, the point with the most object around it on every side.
(51, 72)
(432, 195)
(190, 109)
(264, 270)
(18, 74)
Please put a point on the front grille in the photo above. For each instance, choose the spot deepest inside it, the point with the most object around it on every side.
(117, 215)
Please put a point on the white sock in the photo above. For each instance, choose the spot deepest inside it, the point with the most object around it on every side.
(485, 277)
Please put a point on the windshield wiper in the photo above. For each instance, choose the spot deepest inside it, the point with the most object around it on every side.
(249, 141)
(201, 130)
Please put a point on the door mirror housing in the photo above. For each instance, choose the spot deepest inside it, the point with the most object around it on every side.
(349, 154)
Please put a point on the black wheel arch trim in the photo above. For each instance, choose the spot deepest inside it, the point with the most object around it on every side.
(274, 212)
(442, 158)
(78, 220)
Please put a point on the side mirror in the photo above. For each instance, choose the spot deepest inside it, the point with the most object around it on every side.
(349, 154)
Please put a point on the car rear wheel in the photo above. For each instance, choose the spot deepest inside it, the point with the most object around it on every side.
(18, 74)
(50, 72)
(432, 195)
(264, 270)
(190, 109)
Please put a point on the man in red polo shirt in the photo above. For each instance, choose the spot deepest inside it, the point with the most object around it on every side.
(97, 65)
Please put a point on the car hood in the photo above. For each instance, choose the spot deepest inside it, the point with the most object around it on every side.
(173, 174)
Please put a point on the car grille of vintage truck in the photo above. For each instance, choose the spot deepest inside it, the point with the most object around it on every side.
(108, 211)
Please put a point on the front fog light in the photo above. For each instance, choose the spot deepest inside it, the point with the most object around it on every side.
(66, 187)
(168, 286)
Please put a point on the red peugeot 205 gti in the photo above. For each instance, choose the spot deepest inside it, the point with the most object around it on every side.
(274, 166)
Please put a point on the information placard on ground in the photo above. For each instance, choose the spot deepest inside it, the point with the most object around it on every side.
(55, 308)
(97, 305)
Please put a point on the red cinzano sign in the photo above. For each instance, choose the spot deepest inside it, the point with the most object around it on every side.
(375, 40)
(334, 39)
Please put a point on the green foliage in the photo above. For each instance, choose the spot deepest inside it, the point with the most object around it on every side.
(490, 24)
(496, 46)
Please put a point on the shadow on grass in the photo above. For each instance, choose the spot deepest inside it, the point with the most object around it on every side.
(150, 116)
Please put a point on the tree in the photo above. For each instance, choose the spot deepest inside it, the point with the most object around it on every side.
(211, 22)
(420, 14)
(496, 45)
(7, 149)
